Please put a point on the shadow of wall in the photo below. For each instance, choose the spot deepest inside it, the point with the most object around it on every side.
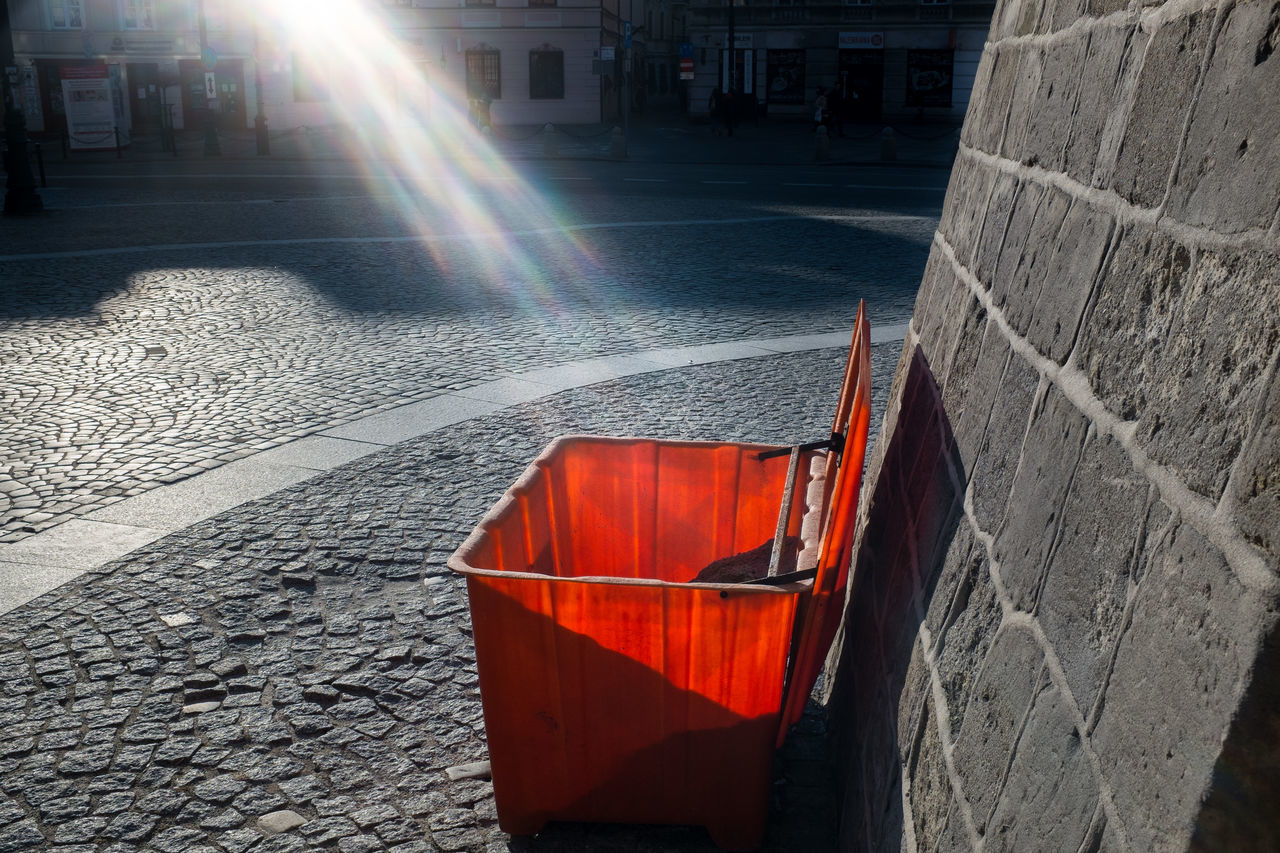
(910, 517)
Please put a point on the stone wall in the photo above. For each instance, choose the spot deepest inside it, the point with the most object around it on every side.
(1061, 633)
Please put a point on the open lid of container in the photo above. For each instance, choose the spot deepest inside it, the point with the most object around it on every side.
(819, 621)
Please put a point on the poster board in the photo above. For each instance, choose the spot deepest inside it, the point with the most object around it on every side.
(90, 109)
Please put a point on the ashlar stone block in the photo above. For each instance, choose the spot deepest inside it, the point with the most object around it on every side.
(1170, 70)
(1078, 251)
(1011, 676)
(995, 222)
(930, 784)
(1039, 140)
(1022, 101)
(1093, 566)
(1050, 797)
(1028, 244)
(1004, 22)
(1228, 177)
(997, 458)
(1182, 666)
(1108, 50)
(1135, 310)
(1255, 481)
(1050, 455)
(986, 129)
(916, 692)
(973, 378)
(954, 571)
(1102, 8)
(1201, 401)
(937, 321)
(981, 83)
(964, 208)
(966, 635)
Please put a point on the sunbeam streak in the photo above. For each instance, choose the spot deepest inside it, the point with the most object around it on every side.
(441, 166)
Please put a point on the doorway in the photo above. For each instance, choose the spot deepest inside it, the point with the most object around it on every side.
(862, 76)
(143, 80)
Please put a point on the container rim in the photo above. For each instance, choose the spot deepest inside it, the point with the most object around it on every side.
(457, 561)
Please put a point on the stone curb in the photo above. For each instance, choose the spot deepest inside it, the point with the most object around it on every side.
(47, 560)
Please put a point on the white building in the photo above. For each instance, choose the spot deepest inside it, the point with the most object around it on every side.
(534, 61)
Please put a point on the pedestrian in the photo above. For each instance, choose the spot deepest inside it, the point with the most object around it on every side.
(820, 108)
(715, 108)
(730, 110)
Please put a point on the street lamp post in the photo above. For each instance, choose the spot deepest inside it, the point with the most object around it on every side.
(732, 72)
(20, 196)
(211, 146)
(259, 120)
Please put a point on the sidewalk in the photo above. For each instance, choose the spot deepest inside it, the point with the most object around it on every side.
(652, 138)
(279, 679)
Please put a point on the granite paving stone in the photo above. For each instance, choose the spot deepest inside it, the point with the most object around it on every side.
(372, 690)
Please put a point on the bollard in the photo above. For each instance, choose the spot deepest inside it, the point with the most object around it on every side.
(618, 145)
(117, 132)
(550, 144)
(823, 143)
(40, 165)
(888, 145)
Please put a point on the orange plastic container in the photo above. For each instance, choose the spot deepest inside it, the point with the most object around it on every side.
(616, 690)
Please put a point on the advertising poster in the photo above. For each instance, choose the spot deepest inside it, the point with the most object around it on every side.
(784, 73)
(929, 75)
(91, 115)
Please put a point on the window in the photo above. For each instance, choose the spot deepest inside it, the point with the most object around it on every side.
(541, 3)
(66, 14)
(480, 3)
(484, 73)
(929, 74)
(139, 14)
(546, 73)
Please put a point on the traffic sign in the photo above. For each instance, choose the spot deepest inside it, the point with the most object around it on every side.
(210, 86)
(606, 52)
(210, 58)
(626, 34)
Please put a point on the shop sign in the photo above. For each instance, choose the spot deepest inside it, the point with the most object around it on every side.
(861, 41)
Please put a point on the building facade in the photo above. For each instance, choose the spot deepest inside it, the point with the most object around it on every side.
(888, 60)
(528, 61)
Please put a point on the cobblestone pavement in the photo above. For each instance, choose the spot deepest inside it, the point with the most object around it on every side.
(662, 136)
(278, 678)
(139, 366)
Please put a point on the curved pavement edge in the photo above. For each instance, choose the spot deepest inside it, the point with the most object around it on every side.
(47, 560)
